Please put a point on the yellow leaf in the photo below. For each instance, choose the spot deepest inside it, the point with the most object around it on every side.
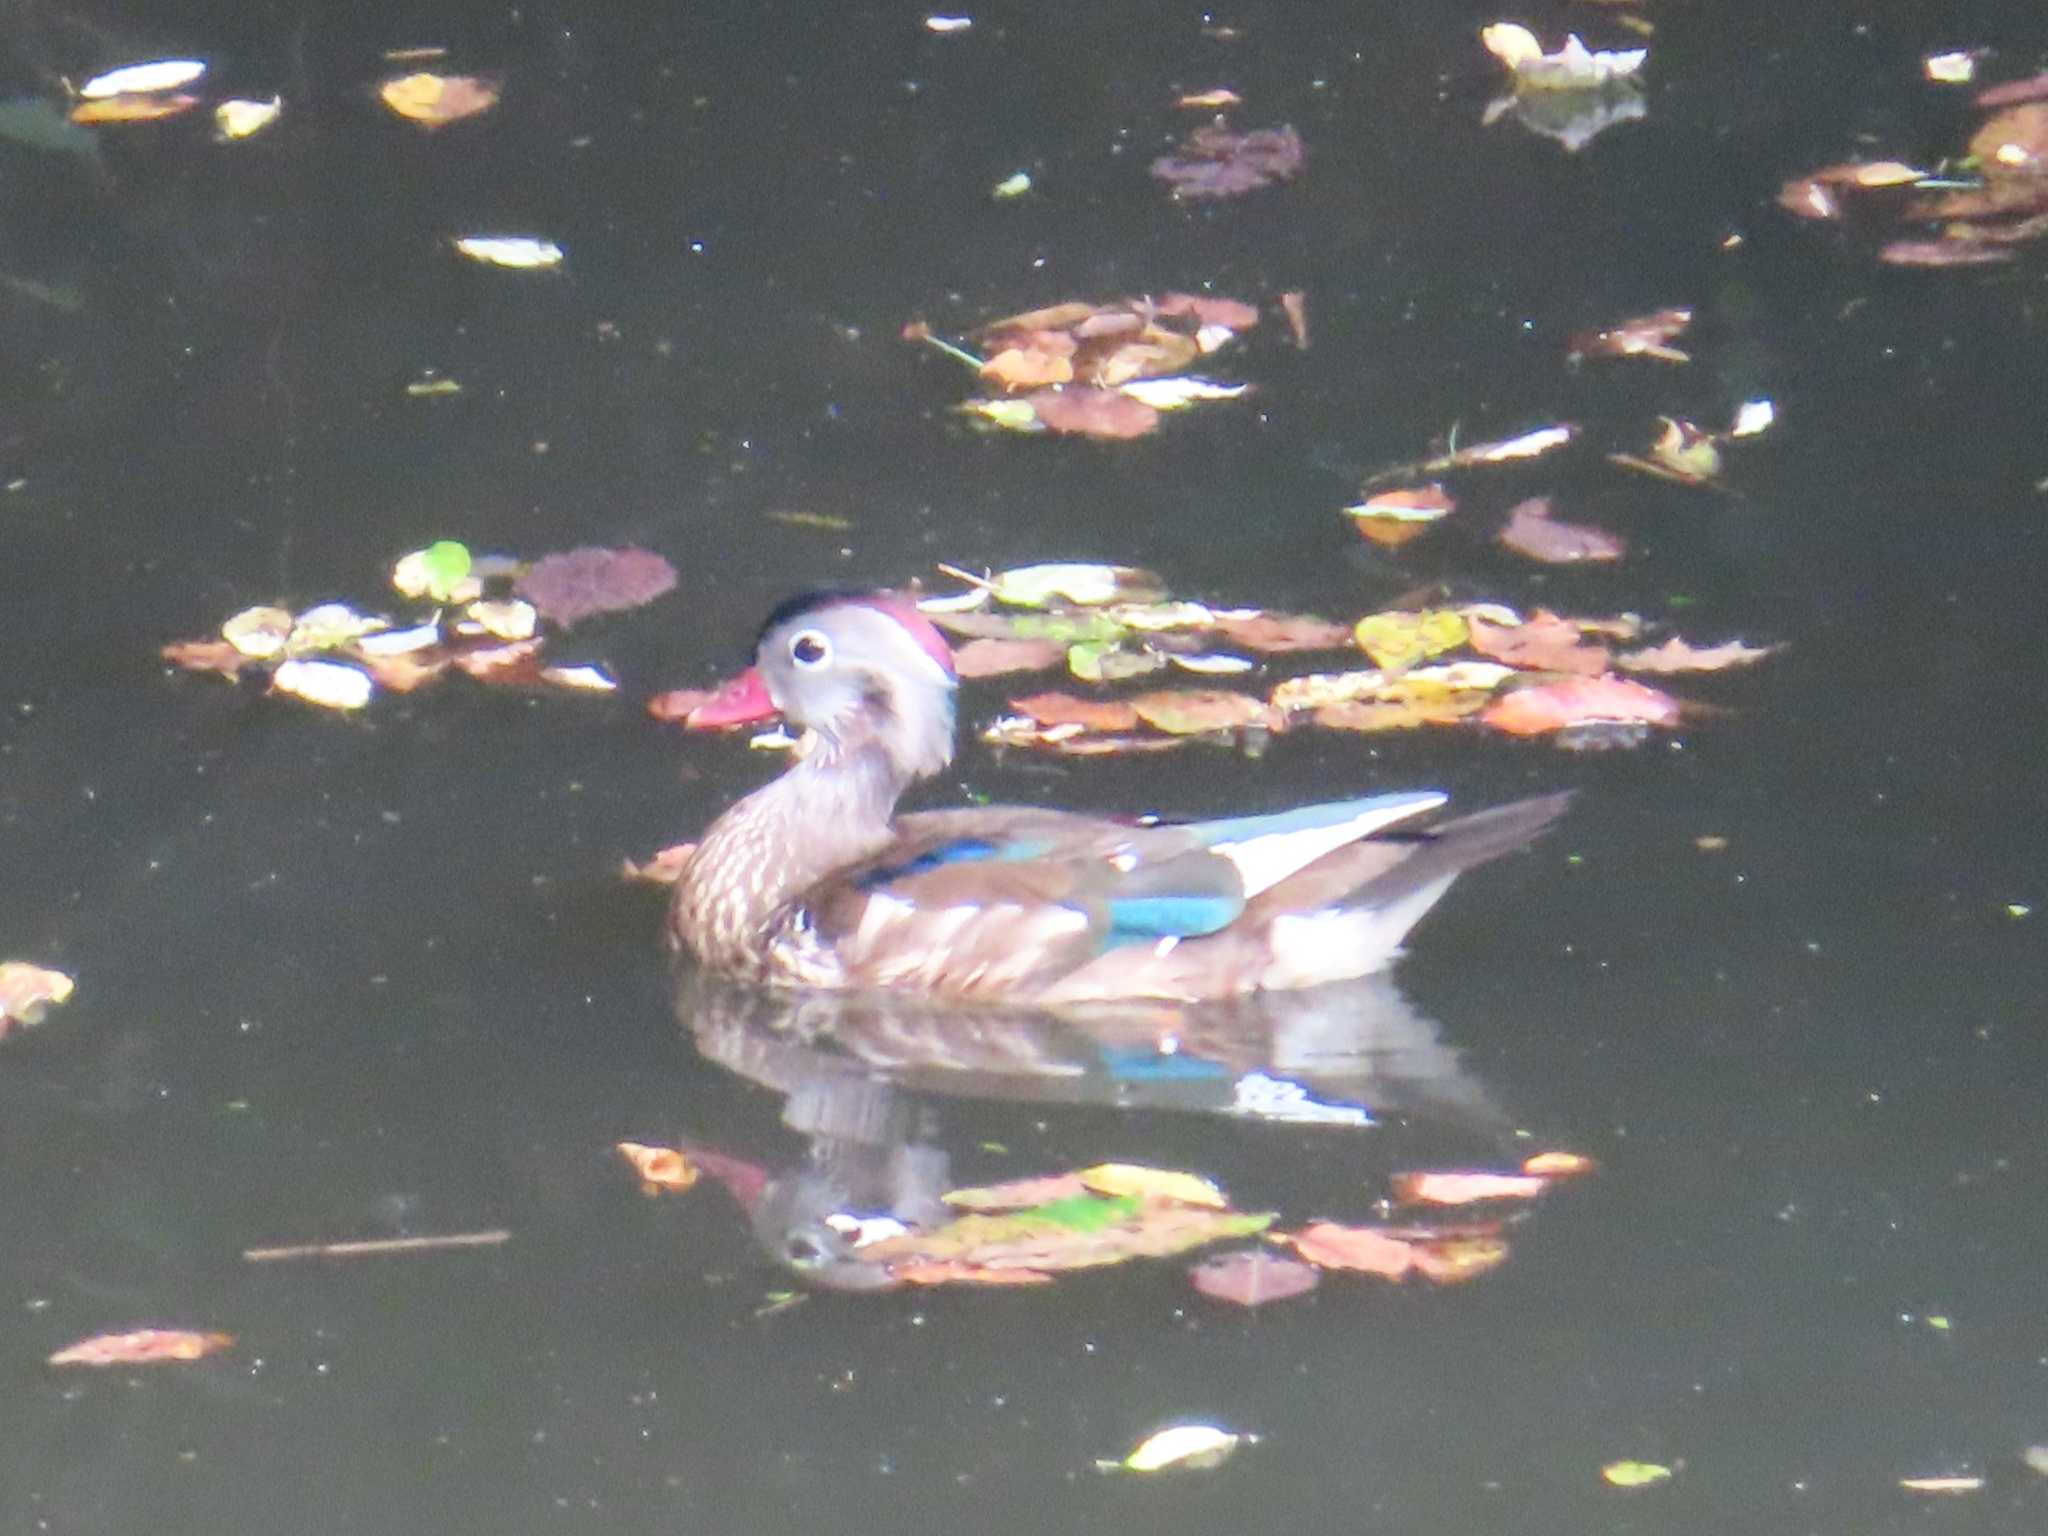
(1635, 1474)
(1187, 1446)
(1399, 640)
(1153, 1183)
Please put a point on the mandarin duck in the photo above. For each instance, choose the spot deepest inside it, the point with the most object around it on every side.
(815, 881)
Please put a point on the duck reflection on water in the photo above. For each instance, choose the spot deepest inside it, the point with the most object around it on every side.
(866, 1080)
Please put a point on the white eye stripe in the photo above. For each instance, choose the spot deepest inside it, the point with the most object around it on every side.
(810, 648)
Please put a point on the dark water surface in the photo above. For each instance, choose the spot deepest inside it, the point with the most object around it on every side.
(376, 976)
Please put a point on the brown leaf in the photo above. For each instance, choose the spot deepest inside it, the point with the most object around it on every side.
(207, 656)
(664, 867)
(1065, 709)
(133, 107)
(1462, 1187)
(993, 658)
(1216, 162)
(435, 101)
(406, 670)
(1942, 253)
(1273, 633)
(2012, 92)
(1542, 643)
(1396, 714)
(1018, 1194)
(1294, 305)
(1251, 1277)
(1530, 530)
(1092, 412)
(1639, 336)
(660, 1168)
(1056, 317)
(2014, 142)
(1207, 309)
(1191, 711)
(577, 583)
(144, 1346)
(1679, 655)
(1330, 1246)
(1032, 360)
(502, 664)
(1579, 701)
(1153, 353)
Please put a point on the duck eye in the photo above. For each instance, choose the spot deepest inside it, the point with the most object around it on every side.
(810, 649)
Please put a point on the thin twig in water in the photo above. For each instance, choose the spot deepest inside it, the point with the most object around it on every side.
(378, 1245)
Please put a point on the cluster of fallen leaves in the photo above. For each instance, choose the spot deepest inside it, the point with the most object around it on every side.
(1029, 1231)
(1975, 209)
(1481, 662)
(161, 88)
(478, 615)
(1099, 370)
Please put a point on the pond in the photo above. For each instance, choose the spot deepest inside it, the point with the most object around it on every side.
(376, 974)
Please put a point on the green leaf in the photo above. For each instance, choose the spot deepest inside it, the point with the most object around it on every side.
(446, 563)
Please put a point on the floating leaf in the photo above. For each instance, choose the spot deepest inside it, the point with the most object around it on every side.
(207, 656)
(329, 626)
(1214, 161)
(441, 572)
(664, 867)
(131, 108)
(1577, 701)
(1153, 1184)
(1176, 393)
(1213, 100)
(660, 1168)
(1274, 633)
(1635, 1474)
(1092, 412)
(1648, 335)
(526, 253)
(1572, 68)
(1034, 586)
(142, 79)
(1330, 1246)
(330, 684)
(1400, 639)
(1678, 655)
(1192, 711)
(2014, 142)
(1186, 1447)
(259, 633)
(1558, 1165)
(435, 101)
(1950, 1483)
(1942, 253)
(241, 119)
(1464, 1188)
(27, 992)
(1090, 714)
(1393, 517)
(1097, 663)
(1251, 1277)
(143, 1346)
(1543, 642)
(1018, 1194)
(993, 657)
(1531, 530)
(577, 584)
(585, 679)
(1070, 1234)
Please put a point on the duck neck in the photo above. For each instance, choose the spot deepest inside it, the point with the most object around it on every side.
(833, 808)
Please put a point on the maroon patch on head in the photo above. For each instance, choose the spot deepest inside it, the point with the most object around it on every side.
(922, 630)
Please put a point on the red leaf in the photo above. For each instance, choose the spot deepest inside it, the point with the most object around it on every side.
(1092, 412)
(1542, 642)
(570, 587)
(1531, 531)
(145, 1346)
(992, 658)
(1464, 1188)
(1065, 709)
(1368, 1248)
(1251, 1277)
(1579, 701)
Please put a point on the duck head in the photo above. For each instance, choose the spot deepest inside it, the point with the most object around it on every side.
(855, 672)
